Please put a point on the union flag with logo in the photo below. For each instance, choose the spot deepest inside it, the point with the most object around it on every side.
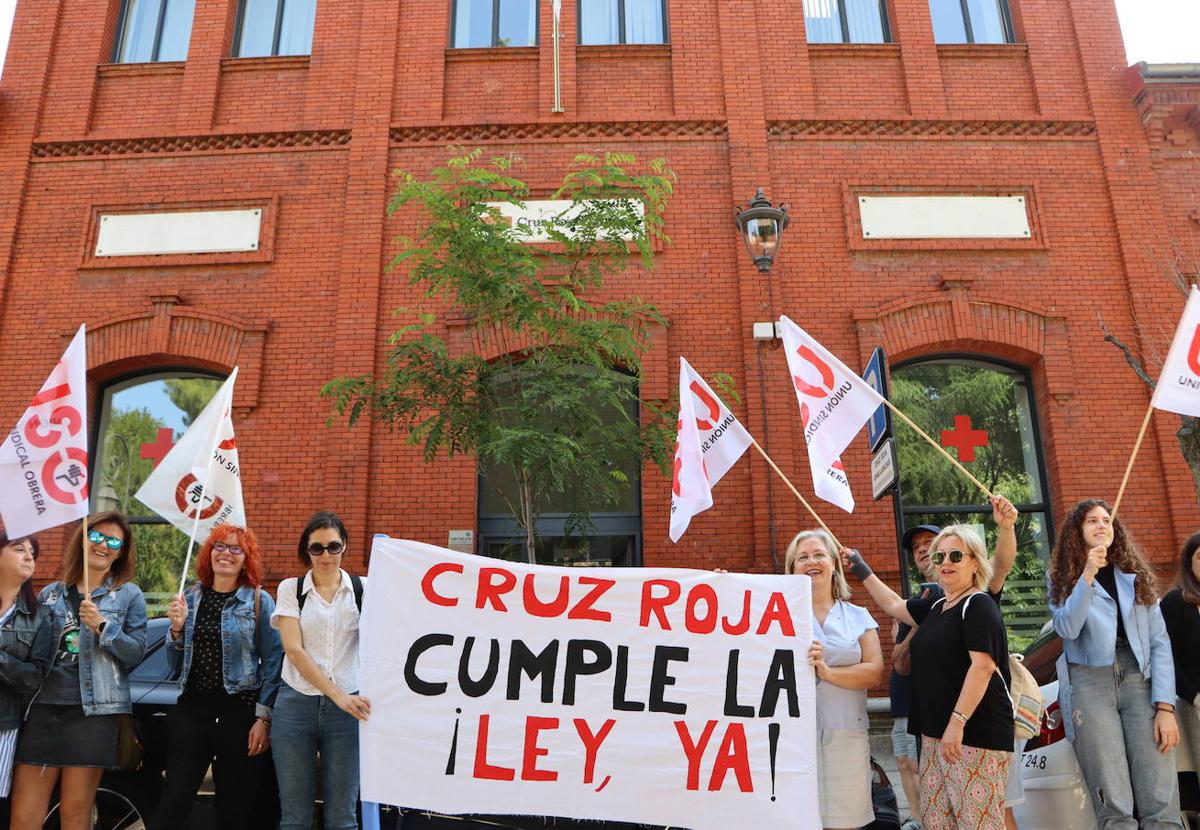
(198, 484)
(44, 458)
(835, 404)
(1178, 388)
(709, 442)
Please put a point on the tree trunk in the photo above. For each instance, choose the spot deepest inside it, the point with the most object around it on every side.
(528, 519)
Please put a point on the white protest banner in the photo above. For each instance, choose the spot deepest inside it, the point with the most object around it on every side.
(723, 439)
(1178, 388)
(671, 697)
(835, 404)
(44, 459)
(198, 484)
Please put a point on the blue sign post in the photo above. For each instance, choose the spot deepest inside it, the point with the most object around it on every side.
(880, 425)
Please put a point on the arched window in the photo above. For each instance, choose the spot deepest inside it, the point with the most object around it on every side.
(611, 534)
(982, 412)
(141, 418)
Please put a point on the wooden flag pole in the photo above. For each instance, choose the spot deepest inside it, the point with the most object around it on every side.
(796, 493)
(87, 581)
(1133, 457)
(937, 447)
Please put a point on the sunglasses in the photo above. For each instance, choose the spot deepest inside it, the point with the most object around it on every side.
(110, 542)
(221, 547)
(317, 549)
(955, 556)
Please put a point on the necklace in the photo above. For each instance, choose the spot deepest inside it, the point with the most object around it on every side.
(950, 602)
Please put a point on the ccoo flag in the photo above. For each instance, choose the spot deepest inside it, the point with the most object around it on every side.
(691, 490)
(1178, 388)
(44, 460)
(199, 478)
(723, 439)
(835, 404)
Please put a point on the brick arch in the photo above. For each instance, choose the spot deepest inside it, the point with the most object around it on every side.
(956, 321)
(170, 333)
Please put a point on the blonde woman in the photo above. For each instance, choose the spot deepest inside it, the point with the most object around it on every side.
(960, 704)
(848, 660)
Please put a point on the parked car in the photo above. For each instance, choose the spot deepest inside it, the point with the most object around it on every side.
(1056, 797)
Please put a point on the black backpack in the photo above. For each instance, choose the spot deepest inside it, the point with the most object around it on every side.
(355, 582)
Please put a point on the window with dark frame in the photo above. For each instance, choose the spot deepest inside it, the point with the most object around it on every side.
(493, 23)
(274, 27)
(140, 419)
(611, 22)
(612, 536)
(972, 21)
(983, 412)
(846, 21)
(152, 31)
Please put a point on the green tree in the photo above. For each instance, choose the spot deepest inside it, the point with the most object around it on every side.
(551, 416)
(191, 395)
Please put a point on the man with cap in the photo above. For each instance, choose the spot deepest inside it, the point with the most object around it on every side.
(916, 543)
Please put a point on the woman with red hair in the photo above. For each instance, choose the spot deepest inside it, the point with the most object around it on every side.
(227, 657)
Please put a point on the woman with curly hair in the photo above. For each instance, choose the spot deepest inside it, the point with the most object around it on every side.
(227, 657)
(1181, 611)
(1116, 678)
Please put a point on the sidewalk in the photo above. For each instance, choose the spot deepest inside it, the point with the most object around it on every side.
(881, 747)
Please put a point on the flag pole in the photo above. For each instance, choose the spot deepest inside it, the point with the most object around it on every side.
(187, 559)
(1132, 457)
(87, 582)
(937, 447)
(795, 492)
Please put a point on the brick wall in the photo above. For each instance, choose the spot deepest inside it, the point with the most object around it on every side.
(738, 100)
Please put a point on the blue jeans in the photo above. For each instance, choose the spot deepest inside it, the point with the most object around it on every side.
(303, 727)
(1114, 742)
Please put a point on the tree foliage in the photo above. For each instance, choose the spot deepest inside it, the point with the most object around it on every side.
(557, 413)
(191, 395)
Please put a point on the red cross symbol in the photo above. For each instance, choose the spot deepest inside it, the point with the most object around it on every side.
(963, 438)
(160, 446)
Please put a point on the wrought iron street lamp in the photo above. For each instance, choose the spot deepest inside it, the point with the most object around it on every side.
(761, 226)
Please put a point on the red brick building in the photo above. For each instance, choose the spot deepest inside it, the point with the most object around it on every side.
(1026, 105)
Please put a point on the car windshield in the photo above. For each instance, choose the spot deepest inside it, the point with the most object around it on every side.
(1042, 654)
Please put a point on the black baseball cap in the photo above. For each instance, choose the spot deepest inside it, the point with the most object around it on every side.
(906, 541)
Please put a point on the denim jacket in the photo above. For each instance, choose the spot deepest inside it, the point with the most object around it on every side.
(251, 654)
(1087, 623)
(104, 661)
(26, 651)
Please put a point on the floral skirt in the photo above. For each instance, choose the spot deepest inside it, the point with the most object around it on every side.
(965, 795)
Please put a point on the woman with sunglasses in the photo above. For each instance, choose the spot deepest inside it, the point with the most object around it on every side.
(26, 648)
(70, 735)
(227, 657)
(960, 704)
(1116, 679)
(318, 707)
(1181, 612)
(848, 660)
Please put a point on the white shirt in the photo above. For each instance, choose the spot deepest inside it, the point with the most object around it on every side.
(329, 631)
(839, 708)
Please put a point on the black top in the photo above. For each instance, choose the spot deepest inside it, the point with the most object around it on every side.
(900, 686)
(1183, 625)
(61, 686)
(940, 660)
(1109, 583)
(206, 677)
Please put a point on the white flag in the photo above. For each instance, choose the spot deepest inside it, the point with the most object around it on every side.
(723, 439)
(200, 475)
(1178, 388)
(44, 459)
(691, 490)
(835, 404)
